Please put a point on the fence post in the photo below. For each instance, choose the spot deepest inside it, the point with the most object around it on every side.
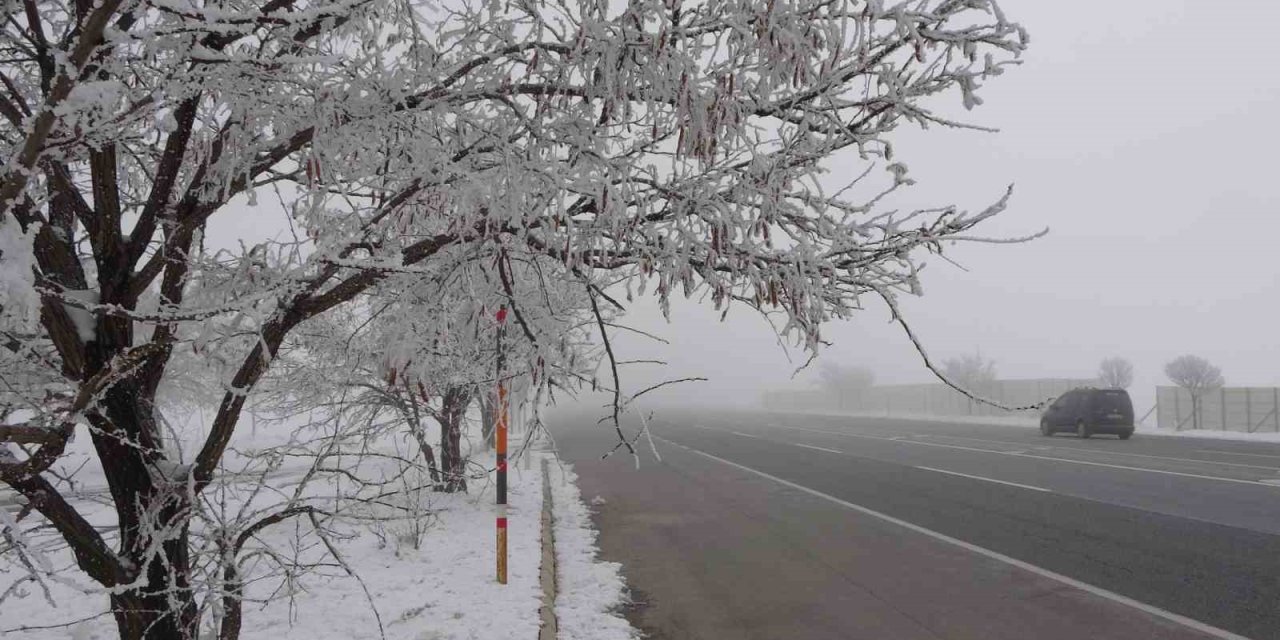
(1223, 396)
(1248, 409)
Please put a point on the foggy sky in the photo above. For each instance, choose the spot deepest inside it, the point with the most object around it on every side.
(1143, 134)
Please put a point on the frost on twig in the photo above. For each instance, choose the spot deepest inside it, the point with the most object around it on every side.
(414, 168)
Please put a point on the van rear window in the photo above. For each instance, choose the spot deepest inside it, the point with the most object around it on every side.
(1113, 401)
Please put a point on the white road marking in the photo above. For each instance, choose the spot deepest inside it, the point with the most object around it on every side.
(1121, 466)
(983, 551)
(965, 475)
(797, 444)
(809, 446)
(1112, 453)
(1022, 454)
(1237, 453)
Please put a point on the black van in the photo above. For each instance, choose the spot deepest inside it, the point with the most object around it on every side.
(1087, 411)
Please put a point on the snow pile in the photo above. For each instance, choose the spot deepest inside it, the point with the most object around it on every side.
(1212, 435)
(19, 303)
(81, 317)
(590, 591)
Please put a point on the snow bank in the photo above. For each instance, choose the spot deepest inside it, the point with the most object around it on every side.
(1212, 435)
(19, 304)
(590, 591)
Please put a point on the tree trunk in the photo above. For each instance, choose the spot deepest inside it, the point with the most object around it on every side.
(232, 602)
(414, 418)
(453, 408)
(428, 454)
(149, 507)
(163, 607)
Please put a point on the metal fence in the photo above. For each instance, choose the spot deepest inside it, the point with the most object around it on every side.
(1248, 409)
(930, 399)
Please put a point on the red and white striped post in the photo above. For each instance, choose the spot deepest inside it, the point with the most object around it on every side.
(500, 438)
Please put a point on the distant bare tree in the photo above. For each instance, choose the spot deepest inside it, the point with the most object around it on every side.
(678, 149)
(1116, 373)
(973, 372)
(840, 381)
(1198, 376)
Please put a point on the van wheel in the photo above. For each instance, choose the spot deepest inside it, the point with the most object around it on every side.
(1044, 428)
(1124, 435)
(1082, 430)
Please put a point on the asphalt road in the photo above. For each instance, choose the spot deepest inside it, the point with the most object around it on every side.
(758, 525)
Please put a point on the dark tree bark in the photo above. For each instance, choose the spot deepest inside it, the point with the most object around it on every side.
(453, 409)
(413, 415)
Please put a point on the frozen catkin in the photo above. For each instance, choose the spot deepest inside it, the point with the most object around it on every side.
(205, 204)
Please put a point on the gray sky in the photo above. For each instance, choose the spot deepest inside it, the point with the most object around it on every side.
(1143, 134)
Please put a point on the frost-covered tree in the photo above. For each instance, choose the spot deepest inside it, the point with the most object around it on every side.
(187, 184)
(1116, 373)
(839, 380)
(1198, 376)
(439, 336)
(971, 371)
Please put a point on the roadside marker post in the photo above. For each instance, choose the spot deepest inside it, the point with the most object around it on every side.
(500, 438)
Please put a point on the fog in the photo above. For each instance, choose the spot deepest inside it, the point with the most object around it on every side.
(1142, 135)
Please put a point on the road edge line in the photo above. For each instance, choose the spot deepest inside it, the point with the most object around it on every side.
(983, 551)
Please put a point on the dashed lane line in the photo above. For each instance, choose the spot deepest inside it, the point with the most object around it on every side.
(1190, 623)
(985, 479)
(1023, 454)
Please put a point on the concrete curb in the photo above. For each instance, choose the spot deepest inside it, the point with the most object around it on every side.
(547, 571)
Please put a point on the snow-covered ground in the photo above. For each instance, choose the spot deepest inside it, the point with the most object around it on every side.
(1212, 435)
(424, 578)
(1032, 422)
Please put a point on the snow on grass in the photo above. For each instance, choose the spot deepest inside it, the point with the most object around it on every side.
(441, 588)
(590, 591)
(445, 589)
